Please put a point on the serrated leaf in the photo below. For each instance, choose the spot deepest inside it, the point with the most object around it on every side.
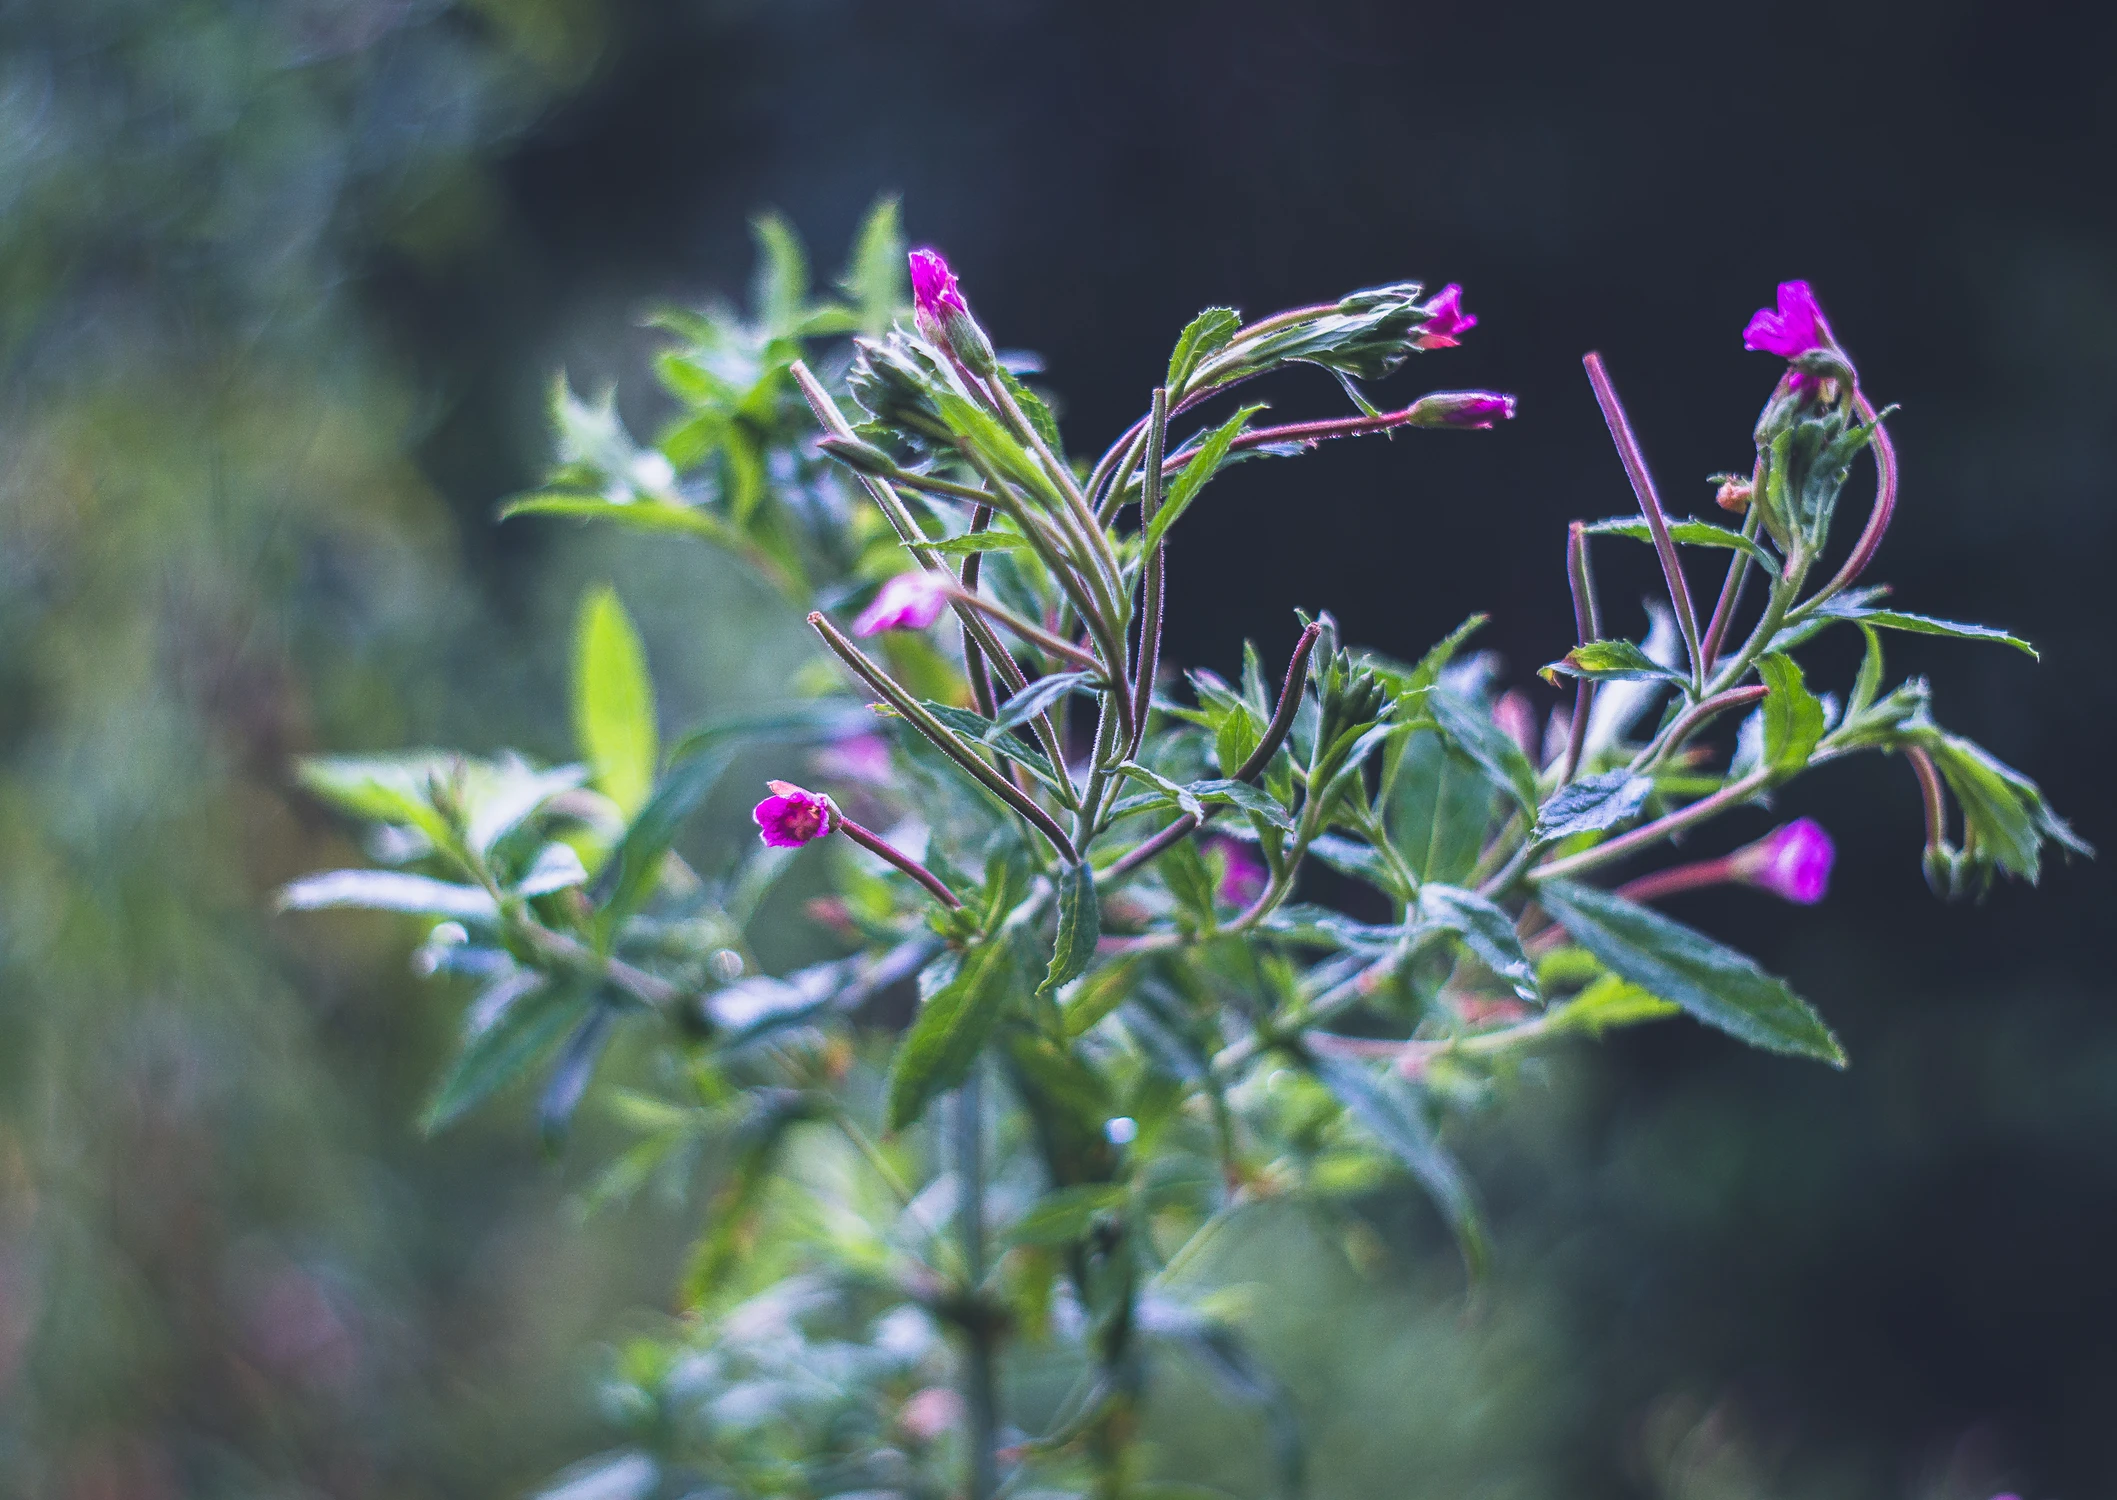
(503, 1049)
(1686, 532)
(388, 890)
(949, 1031)
(1841, 608)
(1608, 1003)
(1592, 804)
(1390, 1113)
(613, 701)
(1204, 335)
(1610, 661)
(1794, 719)
(1472, 731)
(993, 539)
(1192, 477)
(1079, 926)
(1715, 984)
(1486, 930)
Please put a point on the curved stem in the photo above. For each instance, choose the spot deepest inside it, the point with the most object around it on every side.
(1737, 577)
(1587, 626)
(1635, 464)
(1877, 518)
(1155, 566)
(876, 845)
(1732, 795)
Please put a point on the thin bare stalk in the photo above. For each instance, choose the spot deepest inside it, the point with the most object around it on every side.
(1635, 463)
(1931, 795)
(876, 845)
(1155, 567)
(1587, 626)
(1878, 518)
(980, 1376)
(1737, 578)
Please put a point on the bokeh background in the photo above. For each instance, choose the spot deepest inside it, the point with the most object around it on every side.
(282, 286)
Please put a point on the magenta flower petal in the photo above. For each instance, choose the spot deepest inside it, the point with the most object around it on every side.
(1445, 320)
(792, 816)
(1792, 862)
(1462, 409)
(1793, 328)
(935, 295)
(909, 601)
(1242, 873)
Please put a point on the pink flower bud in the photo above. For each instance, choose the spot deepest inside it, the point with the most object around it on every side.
(1462, 409)
(944, 317)
(1792, 862)
(792, 816)
(1794, 328)
(1445, 321)
(1242, 874)
(909, 601)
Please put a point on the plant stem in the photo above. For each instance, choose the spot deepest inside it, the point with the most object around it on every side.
(1635, 464)
(880, 847)
(1156, 565)
(1878, 518)
(1731, 795)
(980, 1382)
(1737, 576)
(1587, 625)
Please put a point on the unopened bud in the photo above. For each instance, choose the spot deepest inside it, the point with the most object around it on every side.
(1734, 493)
(860, 457)
(944, 317)
(1461, 409)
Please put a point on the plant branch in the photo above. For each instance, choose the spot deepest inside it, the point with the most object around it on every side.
(1635, 464)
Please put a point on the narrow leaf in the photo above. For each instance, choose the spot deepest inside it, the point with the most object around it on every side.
(1190, 479)
(1688, 533)
(502, 1050)
(951, 1027)
(1591, 804)
(613, 701)
(1486, 930)
(1040, 695)
(1470, 728)
(1204, 335)
(1610, 661)
(1393, 1116)
(388, 890)
(1079, 926)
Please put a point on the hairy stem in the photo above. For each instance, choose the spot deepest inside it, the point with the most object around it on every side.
(1635, 463)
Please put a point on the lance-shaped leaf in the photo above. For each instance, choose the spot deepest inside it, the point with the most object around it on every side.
(613, 702)
(511, 1026)
(1202, 466)
(388, 890)
(2004, 809)
(1439, 804)
(949, 1031)
(1040, 695)
(1688, 533)
(1610, 661)
(1591, 804)
(1079, 926)
(732, 1210)
(1486, 930)
(1855, 606)
(571, 1074)
(1794, 719)
(1472, 731)
(1680, 964)
(1389, 1111)
(1206, 334)
(1608, 1003)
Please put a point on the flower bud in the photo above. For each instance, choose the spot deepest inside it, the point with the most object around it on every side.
(861, 458)
(1461, 409)
(1792, 862)
(909, 601)
(1446, 321)
(792, 816)
(944, 317)
(1734, 493)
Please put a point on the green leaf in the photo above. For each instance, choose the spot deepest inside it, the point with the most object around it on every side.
(1065, 1215)
(1079, 926)
(1251, 799)
(388, 890)
(1204, 335)
(975, 726)
(1039, 415)
(1439, 806)
(875, 278)
(1040, 695)
(1592, 804)
(515, 1022)
(1390, 1112)
(613, 701)
(1680, 964)
(782, 290)
(1608, 1003)
(994, 539)
(997, 446)
(1192, 477)
(1486, 930)
(1687, 533)
(1611, 661)
(393, 789)
(1793, 716)
(1843, 608)
(2004, 810)
(1470, 728)
(639, 515)
(949, 1031)
(570, 1076)
(1350, 857)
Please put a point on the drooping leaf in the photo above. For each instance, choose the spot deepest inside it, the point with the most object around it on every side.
(1715, 984)
(1079, 926)
(503, 1048)
(951, 1027)
(1388, 1110)
(1204, 335)
(1192, 477)
(1591, 804)
(1686, 533)
(1794, 720)
(613, 701)
(1854, 605)
(1040, 695)
(388, 890)
(2003, 809)
(1486, 930)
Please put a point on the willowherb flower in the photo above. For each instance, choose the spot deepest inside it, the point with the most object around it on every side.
(909, 601)
(1792, 862)
(1242, 874)
(1794, 328)
(944, 317)
(1462, 409)
(792, 816)
(860, 757)
(1446, 320)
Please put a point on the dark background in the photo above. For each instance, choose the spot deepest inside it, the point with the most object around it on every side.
(283, 289)
(1919, 1247)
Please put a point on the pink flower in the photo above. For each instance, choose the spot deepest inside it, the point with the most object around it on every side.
(935, 296)
(861, 757)
(1462, 409)
(792, 816)
(1792, 862)
(1793, 329)
(1445, 319)
(1242, 873)
(909, 601)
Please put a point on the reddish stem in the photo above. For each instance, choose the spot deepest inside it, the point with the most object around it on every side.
(1884, 505)
(1635, 463)
(875, 844)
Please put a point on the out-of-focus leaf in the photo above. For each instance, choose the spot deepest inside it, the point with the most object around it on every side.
(1717, 985)
(1608, 1003)
(1393, 1116)
(1439, 805)
(626, 1474)
(875, 276)
(571, 1074)
(1098, 995)
(1079, 926)
(1486, 930)
(639, 515)
(1192, 477)
(731, 1211)
(1063, 1216)
(1472, 731)
(1794, 720)
(503, 1049)
(782, 292)
(1221, 1352)
(613, 701)
(388, 890)
(557, 866)
(1592, 804)
(390, 789)
(949, 1030)
(1038, 696)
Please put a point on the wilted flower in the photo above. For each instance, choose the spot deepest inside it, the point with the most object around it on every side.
(1445, 319)
(1794, 328)
(1242, 874)
(1792, 862)
(1466, 409)
(792, 816)
(909, 601)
